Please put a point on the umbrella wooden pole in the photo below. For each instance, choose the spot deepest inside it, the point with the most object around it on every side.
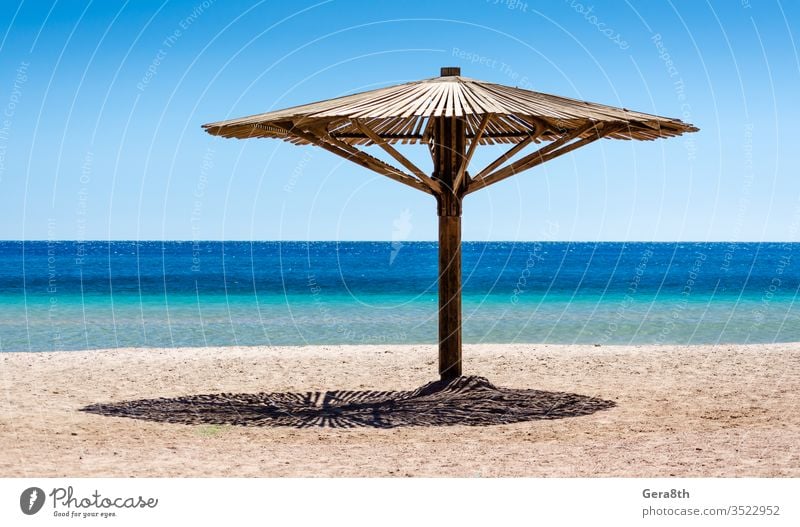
(449, 297)
(448, 154)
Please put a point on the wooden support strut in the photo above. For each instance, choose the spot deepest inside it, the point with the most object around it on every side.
(355, 155)
(533, 136)
(559, 147)
(403, 160)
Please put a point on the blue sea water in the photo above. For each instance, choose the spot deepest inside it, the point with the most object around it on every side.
(84, 295)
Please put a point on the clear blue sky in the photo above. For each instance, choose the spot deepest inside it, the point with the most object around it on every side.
(102, 104)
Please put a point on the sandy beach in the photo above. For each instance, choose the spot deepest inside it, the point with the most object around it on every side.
(728, 410)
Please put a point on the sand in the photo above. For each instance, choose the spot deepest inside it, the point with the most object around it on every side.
(568, 411)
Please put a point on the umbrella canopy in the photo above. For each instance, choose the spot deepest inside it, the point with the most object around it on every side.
(402, 114)
(452, 115)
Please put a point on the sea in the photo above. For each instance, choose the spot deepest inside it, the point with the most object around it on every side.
(78, 295)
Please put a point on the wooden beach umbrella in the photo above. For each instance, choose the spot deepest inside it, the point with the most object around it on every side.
(452, 115)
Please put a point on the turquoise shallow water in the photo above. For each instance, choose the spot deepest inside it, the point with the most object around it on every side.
(71, 295)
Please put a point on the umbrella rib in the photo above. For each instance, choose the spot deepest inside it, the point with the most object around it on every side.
(385, 168)
(359, 157)
(510, 153)
(564, 139)
(551, 151)
(403, 160)
(483, 179)
(462, 170)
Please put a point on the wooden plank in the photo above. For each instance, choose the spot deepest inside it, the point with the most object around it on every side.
(441, 103)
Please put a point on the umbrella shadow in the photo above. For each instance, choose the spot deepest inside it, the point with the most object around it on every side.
(471, 401)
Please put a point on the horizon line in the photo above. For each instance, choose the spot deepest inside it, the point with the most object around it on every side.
(236, 240)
